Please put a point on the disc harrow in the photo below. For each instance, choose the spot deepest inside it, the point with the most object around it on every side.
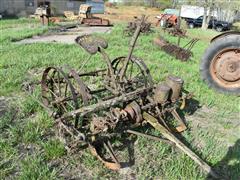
(95, 109)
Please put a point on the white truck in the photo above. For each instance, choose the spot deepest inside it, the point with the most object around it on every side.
(191, 11)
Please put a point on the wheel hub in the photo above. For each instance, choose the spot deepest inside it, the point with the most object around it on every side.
(225, 68)
(228, 68)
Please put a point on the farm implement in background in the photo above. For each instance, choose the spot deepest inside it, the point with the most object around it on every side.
(175, 31)
(86, 17)
(95, 109)
(132, 26)
(181, 53)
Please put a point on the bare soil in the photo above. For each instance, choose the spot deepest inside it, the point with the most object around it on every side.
(65, 37)
(127, 13)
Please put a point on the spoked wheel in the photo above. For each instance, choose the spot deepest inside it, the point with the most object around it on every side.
(63, 91)
(137, 74)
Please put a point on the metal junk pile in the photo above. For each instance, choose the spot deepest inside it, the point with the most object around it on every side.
(175, 31)
(132, 26)
(86, 17)
(43, 13)
(118, 100)
(182, 53)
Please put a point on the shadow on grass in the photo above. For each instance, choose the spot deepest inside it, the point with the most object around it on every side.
(124, 143)
(192, 105)
(229, 166)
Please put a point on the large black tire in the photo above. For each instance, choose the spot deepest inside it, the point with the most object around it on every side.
(163, 23)
(217, 46)
(191, 25)
(219, 28)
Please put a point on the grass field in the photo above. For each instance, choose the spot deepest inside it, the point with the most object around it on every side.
(29, 149)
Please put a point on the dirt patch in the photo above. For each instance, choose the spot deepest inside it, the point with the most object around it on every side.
(66, 37)
(127, 13)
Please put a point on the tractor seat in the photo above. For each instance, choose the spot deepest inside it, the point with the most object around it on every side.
(91, 43)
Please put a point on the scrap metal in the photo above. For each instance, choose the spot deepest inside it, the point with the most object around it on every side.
(43, 13)
(95, 108)
(86, 17)
(132, 26)
(175, 31)
(182, 53)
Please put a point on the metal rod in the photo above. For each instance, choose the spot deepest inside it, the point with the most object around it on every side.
(149, 136)
(182, 125)
(154, 122)
(93, 73)
(106, 104)
(132, 45)
(111, 153)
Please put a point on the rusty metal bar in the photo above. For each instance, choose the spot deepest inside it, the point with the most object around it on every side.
(154, 122)
(132, 45)
(149, 136)
(106, 104)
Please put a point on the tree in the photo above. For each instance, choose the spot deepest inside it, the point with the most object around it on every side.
(208, 8)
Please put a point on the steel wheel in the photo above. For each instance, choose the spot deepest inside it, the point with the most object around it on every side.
(220, 64)
(191, 25)
(137, 74)
(225, 68)
(63, 91)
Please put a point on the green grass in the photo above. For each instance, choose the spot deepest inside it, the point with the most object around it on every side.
(28, 145)
(35, 168)
(53, 149)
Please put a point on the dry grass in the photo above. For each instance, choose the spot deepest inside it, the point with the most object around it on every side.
(126, 13)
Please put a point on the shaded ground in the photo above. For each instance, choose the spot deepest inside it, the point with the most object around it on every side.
(3, 106)
(223, 129)
(67, 37)
(226, 128)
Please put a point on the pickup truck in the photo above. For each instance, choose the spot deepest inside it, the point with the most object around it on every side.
(213, 23)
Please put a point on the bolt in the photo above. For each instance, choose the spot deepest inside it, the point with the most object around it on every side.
(231, 68)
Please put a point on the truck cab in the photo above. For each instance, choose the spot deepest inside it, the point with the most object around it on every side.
(213, 23)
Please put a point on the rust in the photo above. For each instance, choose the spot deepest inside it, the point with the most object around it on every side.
(109, 165)
(96, 108)
(134, 110)
(86, 17)
(44, 13)
(225, 68)
(132, 26)
(176, 32)
(175, 83)
(182, 53)
(161, 93)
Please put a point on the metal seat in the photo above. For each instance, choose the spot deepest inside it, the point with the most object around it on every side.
(91, 43)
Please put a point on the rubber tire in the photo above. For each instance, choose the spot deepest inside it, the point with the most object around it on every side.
(230, 41)
(191, 25)
(163, 23)
(219, 28)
